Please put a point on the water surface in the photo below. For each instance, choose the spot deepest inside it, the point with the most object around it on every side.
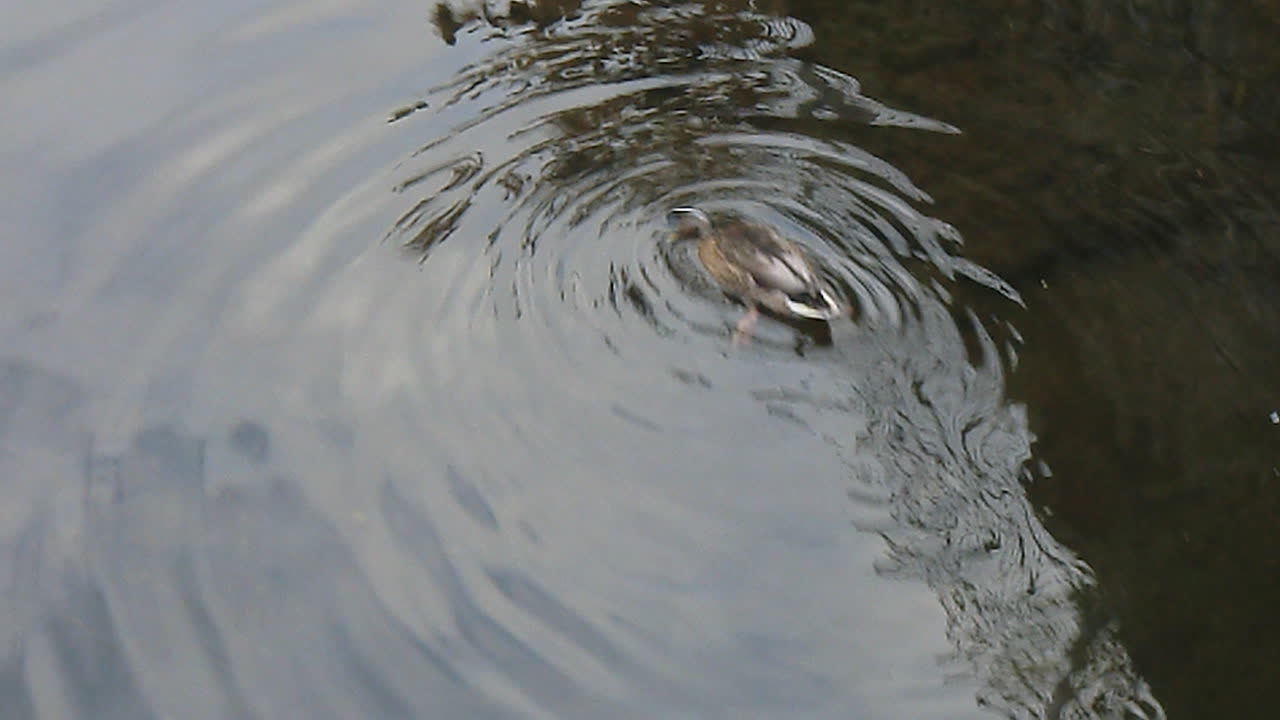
(351, 369)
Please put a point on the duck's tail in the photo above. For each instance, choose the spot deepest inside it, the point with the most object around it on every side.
(817, 305)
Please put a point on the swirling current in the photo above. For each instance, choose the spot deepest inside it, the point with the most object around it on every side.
(469, 437)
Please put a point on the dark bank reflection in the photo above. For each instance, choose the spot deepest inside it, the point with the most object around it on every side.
(1120, 161)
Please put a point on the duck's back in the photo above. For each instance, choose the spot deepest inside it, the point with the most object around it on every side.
(771, 261)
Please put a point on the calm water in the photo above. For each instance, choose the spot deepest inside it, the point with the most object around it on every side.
(349, 368)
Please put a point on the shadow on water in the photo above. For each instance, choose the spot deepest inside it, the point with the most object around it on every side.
(278, 441)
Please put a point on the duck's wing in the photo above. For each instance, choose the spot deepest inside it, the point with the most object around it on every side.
(781, 271)
(772, 262)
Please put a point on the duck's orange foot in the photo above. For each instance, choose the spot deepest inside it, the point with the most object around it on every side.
(742, 334)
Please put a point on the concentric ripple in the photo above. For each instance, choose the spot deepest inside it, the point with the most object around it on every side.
(567, 147)
(480, 446)
(564, 147)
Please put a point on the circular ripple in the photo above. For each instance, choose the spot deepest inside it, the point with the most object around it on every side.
(458, 438)
(566, 151)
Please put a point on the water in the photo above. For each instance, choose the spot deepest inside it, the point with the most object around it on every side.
(351, 368)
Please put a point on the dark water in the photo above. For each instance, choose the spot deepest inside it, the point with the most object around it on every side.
(348, 367)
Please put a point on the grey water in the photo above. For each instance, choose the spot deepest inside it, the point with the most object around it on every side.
(350, 368)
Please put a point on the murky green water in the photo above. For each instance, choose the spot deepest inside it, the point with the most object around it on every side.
(349, 367)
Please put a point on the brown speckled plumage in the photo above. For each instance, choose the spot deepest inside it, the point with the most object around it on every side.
(756, 265)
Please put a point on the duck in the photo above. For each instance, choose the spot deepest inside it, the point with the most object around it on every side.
(753, 264)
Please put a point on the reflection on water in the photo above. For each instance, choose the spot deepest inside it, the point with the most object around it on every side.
(506, 463)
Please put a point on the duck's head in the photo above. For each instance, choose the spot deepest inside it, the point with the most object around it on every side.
(690, 222)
